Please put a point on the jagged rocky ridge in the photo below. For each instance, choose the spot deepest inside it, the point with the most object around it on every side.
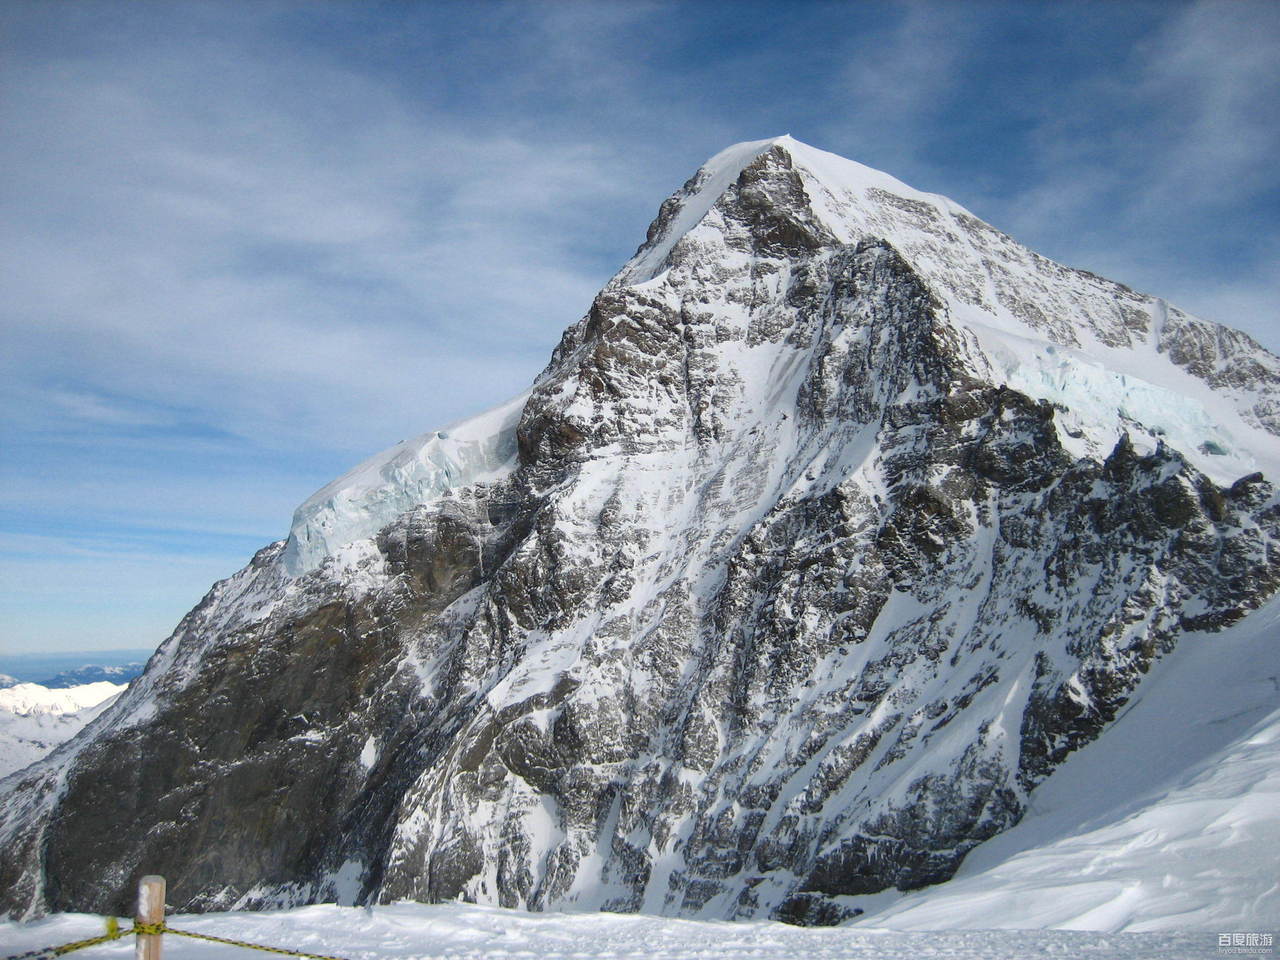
(834, 526)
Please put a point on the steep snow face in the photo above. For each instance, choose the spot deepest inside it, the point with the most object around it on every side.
(34, 719)
(363, 501)
(803, 567)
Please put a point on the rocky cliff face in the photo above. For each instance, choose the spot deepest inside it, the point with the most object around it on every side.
(830, 530)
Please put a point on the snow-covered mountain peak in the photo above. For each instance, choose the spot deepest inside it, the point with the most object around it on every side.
(1121, 362)
(834, 527)
(825, 175)
(746, 225)
(35, 718)
(34, 698)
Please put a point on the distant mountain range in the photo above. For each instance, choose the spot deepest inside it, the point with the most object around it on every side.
(74, 669)
(94, 674)
(52, 697)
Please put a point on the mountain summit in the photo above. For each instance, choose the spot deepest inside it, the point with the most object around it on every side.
(1121, 361)
(835, 526)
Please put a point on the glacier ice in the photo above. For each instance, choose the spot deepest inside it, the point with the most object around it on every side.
(361, 502)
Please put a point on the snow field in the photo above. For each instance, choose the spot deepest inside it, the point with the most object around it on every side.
(454, 931)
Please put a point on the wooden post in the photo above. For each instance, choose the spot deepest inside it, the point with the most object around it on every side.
(150, 910)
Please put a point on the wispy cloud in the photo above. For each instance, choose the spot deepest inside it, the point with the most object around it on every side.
(235, 263)
(1210, 85)
(897, 80)
(233, 260)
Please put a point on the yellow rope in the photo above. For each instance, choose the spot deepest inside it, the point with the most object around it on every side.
(113, 933)
(250, 946)
(154, 929)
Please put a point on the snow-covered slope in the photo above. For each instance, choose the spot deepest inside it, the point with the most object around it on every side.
(34, 719)
(1169, 820)
(830, 533)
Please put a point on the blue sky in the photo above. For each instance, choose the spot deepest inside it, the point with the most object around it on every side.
(244, 245)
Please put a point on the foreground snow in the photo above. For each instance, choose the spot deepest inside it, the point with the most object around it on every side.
(34, 719)
(463, 931)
